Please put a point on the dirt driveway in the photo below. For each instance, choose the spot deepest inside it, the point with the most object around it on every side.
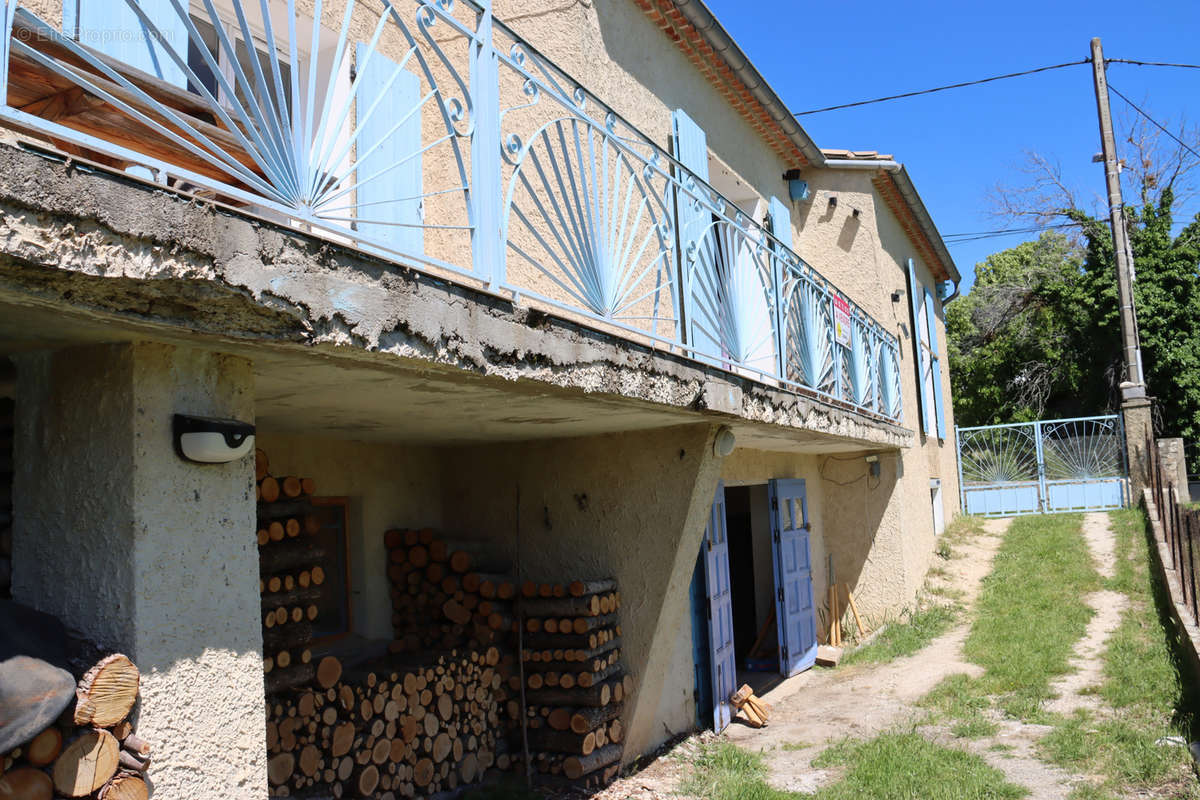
(819, 706)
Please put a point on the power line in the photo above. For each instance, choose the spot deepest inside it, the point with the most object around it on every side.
(941, 88)
(957, 238)
(1149, 63)
(1153, 121)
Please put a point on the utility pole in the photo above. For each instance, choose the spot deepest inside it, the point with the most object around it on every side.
(1135, 406)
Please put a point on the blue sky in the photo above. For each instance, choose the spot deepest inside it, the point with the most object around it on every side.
(959, 144)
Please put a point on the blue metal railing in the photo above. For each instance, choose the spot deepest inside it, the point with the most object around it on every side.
(428, 133)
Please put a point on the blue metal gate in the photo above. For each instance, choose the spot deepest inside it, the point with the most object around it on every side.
(1043, 467)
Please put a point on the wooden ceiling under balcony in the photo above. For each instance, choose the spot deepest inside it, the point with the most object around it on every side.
(36, 89)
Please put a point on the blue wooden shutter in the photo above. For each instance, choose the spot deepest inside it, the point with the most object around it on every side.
(390, 205)
(935, 365)
(916, 294)
(781, 229)
(795, 617)
(781, 221)
(720, 612)
(691, 150)
(113, 28)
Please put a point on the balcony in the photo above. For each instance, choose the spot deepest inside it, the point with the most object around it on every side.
(428, 134)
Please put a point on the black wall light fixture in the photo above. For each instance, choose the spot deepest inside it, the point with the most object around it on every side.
(205, 440)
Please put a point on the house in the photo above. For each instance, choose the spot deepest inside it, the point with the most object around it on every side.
(630, 324)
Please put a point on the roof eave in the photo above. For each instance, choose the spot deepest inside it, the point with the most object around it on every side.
(714, 33)
(894, 183)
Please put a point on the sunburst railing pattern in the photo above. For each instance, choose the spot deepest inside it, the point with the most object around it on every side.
(1043, 466)
(427, 133)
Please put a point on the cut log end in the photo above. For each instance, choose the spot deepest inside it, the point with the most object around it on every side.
(86, 764)
(107, 692)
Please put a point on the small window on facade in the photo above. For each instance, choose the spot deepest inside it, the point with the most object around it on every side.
(935, 497)
(333, 606)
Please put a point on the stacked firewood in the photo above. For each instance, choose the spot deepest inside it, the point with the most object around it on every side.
(291, 574)
(90, 752)
(387, 730)
(448, 595)
(575, 683)
(445, 594)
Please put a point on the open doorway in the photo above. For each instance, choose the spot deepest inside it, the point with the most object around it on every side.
(755, 619)
(752, 584)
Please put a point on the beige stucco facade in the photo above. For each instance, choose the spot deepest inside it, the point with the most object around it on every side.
(425, 402)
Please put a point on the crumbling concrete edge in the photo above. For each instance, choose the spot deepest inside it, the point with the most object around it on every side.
(79, 237)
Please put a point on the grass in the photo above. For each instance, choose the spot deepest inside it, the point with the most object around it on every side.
(894, 766)
(906, 636)
(905, 766)
(726, 772)
(791, 747)
(959, 698)
(1088, 791)
(1031, 611)
(1142, 686)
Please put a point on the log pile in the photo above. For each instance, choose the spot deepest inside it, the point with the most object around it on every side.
(444, 594)
(90, 751)
(448, 595)
(386, 730)
(574, 680)
(291, 574)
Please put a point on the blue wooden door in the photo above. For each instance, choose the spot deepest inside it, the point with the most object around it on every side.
(389, 191)
(795, 615)
(720, 612)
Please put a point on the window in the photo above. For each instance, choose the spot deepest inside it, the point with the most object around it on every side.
(939, 513)
(927, 359)
(199, 65)
(333, 607)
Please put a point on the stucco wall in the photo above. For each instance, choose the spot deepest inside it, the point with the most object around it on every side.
(387, 486)
(871, 254)
(631, 506)
(146, 553)
(677, 704)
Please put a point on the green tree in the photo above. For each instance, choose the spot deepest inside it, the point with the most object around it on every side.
(1039, 334)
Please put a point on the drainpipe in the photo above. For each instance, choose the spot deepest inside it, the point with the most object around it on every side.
(886, 165)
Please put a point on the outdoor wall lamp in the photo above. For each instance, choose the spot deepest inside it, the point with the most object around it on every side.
(896, 295)
(205, 440)
(873, 466)
(797, 189)
(833, 201)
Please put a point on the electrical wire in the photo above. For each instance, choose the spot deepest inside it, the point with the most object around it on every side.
(942, 88)
(1149, 63)
(956, 238)
(1153, 121)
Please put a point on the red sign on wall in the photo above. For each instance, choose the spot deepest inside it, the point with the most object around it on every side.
(841, 320)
